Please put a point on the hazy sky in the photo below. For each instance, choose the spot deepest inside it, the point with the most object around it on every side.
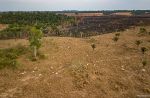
(49, 5)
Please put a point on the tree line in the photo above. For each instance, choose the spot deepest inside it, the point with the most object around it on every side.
(30, 18)
(19, 22)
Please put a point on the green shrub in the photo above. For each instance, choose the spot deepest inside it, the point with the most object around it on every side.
(8, 56)
(9, 63)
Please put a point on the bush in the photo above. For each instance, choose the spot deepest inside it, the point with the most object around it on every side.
(93, 46)
(117, 34)
(9, 63)
(144, 63)
(8, 56)
(143, 31)
(143, 49)
(116, 38)
(138, 42)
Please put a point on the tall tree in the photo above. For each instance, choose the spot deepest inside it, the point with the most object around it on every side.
(35, 40)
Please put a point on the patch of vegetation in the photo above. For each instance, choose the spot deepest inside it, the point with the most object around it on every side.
(30, 18)
(14, 31)
(117, 34)
(19, 21)
(93, 46)
(115, 39)
(142, 32)
(138, 42)
(8, 56)
(144, 63)
(143, 50)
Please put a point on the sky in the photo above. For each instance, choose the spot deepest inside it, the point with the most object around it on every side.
(59, 5)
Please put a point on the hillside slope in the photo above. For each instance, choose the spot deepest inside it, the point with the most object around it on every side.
(72, 69)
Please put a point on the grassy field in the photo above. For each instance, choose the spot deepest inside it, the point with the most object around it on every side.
(72, 69)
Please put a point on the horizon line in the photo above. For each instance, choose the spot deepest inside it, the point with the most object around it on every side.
(75, 10)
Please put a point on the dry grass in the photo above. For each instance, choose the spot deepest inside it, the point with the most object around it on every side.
(123, 13)
(84, 14)
(73, 70)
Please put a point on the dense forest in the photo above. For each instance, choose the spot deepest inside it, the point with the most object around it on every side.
(30, 18)
(20, 22)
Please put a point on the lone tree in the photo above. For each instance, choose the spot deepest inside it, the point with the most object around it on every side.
(35, 40)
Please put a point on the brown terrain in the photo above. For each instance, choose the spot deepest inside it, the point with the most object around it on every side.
(3, 26)
(72, 69)
(96, 14)
(123, 13)
(84, 14)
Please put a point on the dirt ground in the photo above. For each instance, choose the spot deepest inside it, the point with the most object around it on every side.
(3, 26)
(123, 13)
(72, 69)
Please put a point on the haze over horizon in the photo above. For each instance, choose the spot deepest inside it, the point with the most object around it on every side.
(60, 5)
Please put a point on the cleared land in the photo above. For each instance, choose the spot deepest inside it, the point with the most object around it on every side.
(83, 14)
(72, 69)
(123, 13)
(3, 26)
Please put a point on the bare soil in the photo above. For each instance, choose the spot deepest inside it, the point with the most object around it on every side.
(123, 13)
(3, 26)
(72, 69)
